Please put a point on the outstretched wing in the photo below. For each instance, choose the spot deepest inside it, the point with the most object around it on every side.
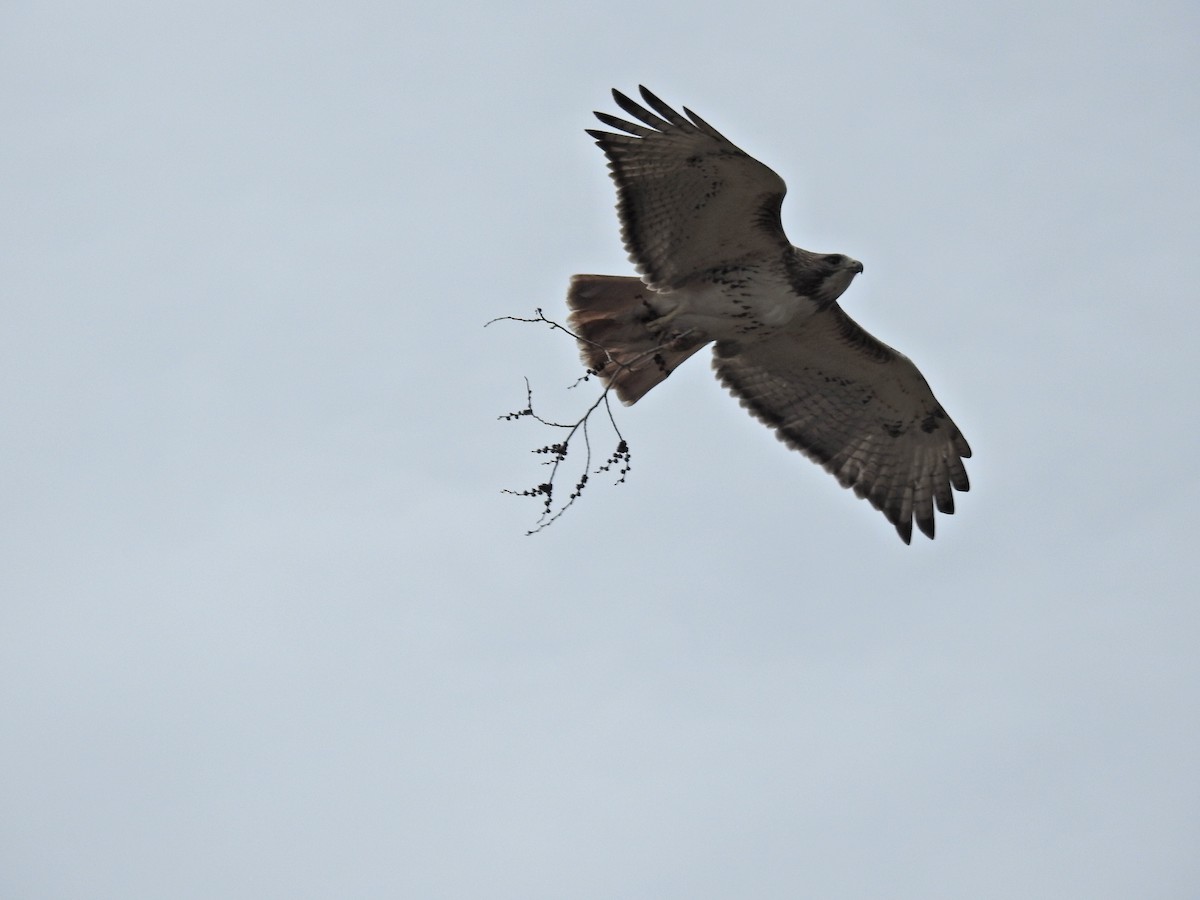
(859, 408)
(689, 200)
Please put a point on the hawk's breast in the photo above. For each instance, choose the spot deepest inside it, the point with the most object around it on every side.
(733, 302)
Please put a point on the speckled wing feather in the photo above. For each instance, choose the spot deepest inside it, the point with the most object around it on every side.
(859, 408)
(689, 200)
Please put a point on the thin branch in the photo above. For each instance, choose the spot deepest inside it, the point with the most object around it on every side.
(619, 459)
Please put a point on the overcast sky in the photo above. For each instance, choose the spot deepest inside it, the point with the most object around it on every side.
(269, 626)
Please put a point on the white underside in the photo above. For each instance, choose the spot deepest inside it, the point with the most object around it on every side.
(719, 312)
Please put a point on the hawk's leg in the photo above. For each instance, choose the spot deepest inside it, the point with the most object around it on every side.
(659, 322)
(669, 338)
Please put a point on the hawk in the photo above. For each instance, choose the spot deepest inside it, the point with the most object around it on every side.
(700, 220)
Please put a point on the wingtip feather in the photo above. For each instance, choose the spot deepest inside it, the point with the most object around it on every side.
(927, 526)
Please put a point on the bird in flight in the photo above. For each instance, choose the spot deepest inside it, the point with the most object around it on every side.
(700, 220)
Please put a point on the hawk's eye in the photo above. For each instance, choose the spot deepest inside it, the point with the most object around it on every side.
(835, 259)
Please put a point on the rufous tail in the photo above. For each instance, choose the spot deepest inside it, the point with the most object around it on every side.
(610, 314)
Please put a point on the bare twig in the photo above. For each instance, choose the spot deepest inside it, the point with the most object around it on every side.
(619, 459)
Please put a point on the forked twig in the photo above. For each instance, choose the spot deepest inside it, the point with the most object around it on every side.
(620, 457)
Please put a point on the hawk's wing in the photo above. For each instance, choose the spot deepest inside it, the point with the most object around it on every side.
(859, 408)
(689, 200)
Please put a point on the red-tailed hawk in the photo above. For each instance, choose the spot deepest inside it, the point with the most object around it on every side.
(700, 219)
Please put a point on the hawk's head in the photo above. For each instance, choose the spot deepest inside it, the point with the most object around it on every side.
(838, 271)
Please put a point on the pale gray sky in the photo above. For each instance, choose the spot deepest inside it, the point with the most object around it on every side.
(270, 629)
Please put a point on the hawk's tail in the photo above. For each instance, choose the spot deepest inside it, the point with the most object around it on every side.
(611, 316)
